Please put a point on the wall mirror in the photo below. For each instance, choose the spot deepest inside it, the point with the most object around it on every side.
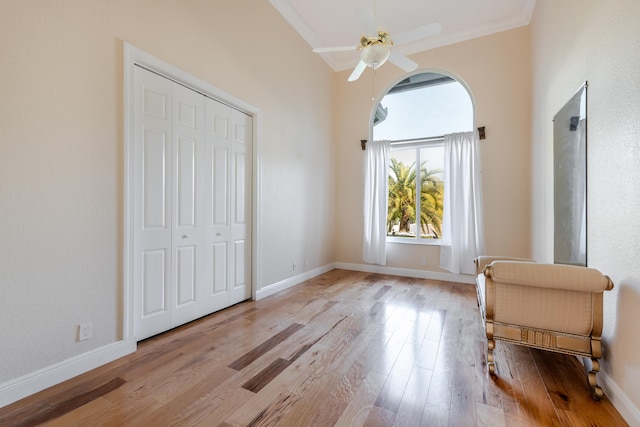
(570, 181)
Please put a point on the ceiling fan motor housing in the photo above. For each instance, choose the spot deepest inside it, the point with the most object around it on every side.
(374, 51)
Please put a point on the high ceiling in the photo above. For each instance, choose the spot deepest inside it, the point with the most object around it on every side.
(328, 23)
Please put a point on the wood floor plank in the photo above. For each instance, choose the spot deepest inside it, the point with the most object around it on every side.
(331, 388)
(260, 350)
(21, 412)
(80, 414)
(539, 405)
(379, 417)
(283, 392)
(414, 398)
(463, 410)
(345, 348)
(357, 411)
(71, 402)
(184, 397)
(391, 394)
(489, 416)
(427, 356)
(508, 383)
(440, 388)
(434, 416)
(211, 410)
(436, 324)
(264, 377)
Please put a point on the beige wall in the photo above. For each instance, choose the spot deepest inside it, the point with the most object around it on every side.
(61, 153)
(496, 69)
(574, 41)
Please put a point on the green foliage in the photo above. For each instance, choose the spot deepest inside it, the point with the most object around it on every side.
(402, 198)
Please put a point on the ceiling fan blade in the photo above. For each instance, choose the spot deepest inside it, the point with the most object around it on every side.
(418, 33)
(357, 72)
(334, 49)
(402, 61)
(367, 22)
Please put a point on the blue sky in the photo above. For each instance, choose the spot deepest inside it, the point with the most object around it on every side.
(430, 111)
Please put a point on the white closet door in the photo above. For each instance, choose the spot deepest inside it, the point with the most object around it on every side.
(192, 205)
(152, 195)
(228, 136)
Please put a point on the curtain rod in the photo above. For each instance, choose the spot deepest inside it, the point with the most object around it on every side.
(481, 135)
(410, 140)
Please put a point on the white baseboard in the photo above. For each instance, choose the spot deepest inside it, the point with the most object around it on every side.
(21, 387)
(292, 281)
(420, 274)
(619, 399)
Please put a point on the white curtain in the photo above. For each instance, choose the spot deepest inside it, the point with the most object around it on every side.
(376, 181)
(462, 222)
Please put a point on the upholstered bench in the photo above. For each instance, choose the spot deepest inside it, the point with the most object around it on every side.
(547, 306)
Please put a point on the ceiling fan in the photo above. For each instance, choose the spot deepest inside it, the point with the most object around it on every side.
(375, 45)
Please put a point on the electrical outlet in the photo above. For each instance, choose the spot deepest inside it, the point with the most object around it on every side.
(294, 265)
(84, 331)
(306, 262)
(423, 262)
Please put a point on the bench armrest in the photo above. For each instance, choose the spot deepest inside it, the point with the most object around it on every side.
(482, 261)
(554, 276)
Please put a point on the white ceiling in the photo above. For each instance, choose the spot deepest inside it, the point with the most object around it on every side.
(329, 23)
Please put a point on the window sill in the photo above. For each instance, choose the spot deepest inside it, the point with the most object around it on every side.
(409, 241)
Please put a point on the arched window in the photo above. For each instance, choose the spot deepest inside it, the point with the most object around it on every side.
(414, 115)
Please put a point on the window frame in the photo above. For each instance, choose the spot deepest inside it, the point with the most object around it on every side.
(416, 144)
(406, 143)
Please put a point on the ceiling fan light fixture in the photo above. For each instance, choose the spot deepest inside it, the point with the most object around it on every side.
(375, 55)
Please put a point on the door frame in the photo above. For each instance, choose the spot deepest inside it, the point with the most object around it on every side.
(134, 56)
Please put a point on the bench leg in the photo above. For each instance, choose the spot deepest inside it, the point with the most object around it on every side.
(491, 364)
(596, 391)
(491, 344)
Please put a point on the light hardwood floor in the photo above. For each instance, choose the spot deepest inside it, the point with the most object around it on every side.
(345, 348)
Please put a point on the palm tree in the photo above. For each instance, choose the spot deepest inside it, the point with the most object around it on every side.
(431, 200)
(402, 198)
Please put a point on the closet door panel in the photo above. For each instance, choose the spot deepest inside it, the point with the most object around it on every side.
(154, 282)
(218, 160)
(151, 199)
(185, 265)
(240, 193)
(239, 263)
(219, 264)
(189, 272)
(241, 188)
(186, 188)
(220, 186)
(154, 159)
